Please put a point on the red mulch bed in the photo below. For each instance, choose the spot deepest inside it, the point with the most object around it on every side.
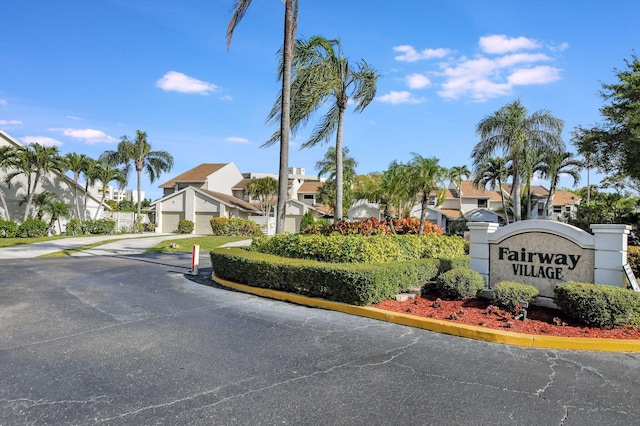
(473, 311)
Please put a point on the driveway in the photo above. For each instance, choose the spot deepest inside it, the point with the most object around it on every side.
(134, 339)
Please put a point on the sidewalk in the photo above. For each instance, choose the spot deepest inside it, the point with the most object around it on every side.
(122, 244)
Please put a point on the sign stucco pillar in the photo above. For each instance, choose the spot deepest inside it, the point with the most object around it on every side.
(610, 254)
(479, 247)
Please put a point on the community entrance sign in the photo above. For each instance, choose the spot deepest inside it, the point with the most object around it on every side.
(544, 253)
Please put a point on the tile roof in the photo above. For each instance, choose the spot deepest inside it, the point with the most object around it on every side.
(309, 187)
(564, 198)
(242, 184)
(468, 190)
(197, 174)
(230, 199)
(451, 213)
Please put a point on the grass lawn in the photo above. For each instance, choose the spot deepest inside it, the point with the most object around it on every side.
(186, 244)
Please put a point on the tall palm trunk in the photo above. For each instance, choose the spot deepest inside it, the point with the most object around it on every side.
(515, 196)
(4, 205)
(423, 212)
(30, 193)
(504, 203)
(287, 54)
(139, 185)
(339, 167)
(104, 195)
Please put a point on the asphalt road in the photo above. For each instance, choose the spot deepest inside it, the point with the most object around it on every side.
(135, 340)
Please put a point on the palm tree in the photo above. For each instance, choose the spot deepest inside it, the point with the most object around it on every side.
(423, 176)
(513, 132)
(322, 74)
(456, 173)
(76, 163)
(290, 24)
(138, 154)
(492, 174)
(35, 161)
(56, 210)
(39, 201)
(553, 165)
(264, 189)
(106, 173)
(7, 158)
(327, 193)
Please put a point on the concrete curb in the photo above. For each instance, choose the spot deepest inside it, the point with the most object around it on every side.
(445, 327)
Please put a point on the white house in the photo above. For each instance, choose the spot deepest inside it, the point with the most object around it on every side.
(219, 190)
(62, 186)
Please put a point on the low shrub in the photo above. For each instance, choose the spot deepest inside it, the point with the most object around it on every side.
(150, 226)
(98, 227)
(360, 249)
(374, 226)
(32, 228)
(598, 305)
(456, 262)
(8, 228)
(356, 284)
(234, 227)
(508, 294)
(459, 283)
(74, 227)
(185, 226)
(307, 220)
(411, 225)
(633, 259)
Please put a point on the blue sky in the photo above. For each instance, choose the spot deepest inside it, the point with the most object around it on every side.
(81, 74)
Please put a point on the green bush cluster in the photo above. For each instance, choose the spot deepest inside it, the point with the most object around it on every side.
(456, 262)
(100, 226)
(357, 284)
(598, 305)
(360, 249)
(8, 228)
(307, 221)
(508, 294)
(459, 283)
(234, 227)
(185, 226)
(633, 259)
(32, 228)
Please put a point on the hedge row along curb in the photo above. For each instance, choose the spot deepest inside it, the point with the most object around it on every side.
(445, 327)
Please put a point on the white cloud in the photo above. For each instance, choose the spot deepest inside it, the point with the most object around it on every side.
(418, 81)
(11, 123)
(42, 140)
(236, 139)
(90, 136)
(3, 101)
(402, 97)
(535, 75)
(409, 54)
(178, 82)
(73, 117)
(226, 98)
(499, 44)
(559, 47)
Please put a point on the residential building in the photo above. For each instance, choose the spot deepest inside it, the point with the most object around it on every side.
(219, 190)
(62, 186)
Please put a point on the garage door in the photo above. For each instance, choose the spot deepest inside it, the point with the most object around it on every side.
(203, 226)
(170, 221)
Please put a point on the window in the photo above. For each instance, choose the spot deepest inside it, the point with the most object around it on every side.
(307, 197)
(567, 208)
(482, 203)
(557, 209)
(432, 200)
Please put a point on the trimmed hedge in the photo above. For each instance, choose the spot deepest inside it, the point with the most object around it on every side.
(234, 227)
(508, 294)
(456, 262)
(598, 305)
(8, 228)
(356, 284)
(633, 259)
(459, 283)
(32, 228)
(360, 249)
(185, 226)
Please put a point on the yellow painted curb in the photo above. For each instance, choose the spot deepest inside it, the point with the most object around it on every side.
(445, 327)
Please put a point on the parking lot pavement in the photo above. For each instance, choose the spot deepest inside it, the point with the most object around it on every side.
(129, 243)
